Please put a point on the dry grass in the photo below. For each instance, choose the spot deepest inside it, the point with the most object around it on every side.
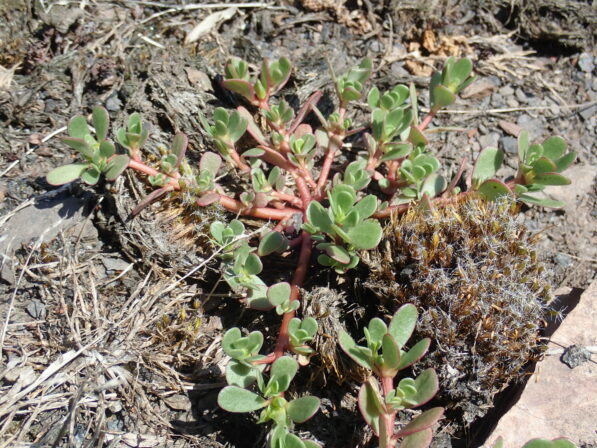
(104, 345)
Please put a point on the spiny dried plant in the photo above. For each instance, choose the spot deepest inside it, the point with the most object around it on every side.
(472, 270)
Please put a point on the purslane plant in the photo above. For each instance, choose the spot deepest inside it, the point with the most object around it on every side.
(292, 181)
(385, 355)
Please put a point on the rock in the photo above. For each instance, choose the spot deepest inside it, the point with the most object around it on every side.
(37, 309)
(585, 62)
(521, 96)
(490, 139)
(533, 125)
(558, 401)
(582, 177)
(115, 264)
(575, 356)
(563, 260)
(588, 112)
(510, 144)
(41, 222)
(511, 102)
(506, 91)
(113, 103)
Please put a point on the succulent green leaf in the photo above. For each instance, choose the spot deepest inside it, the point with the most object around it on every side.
(391, 353)
(241, 375)
(373, 97)
(243, 88)
(416, 137)
(337, 253)
(420, 439)
(272, 242)
(415, 353)
(461, 70)
(358, 354)
(565, 161)
(551, 179)
(283, 371)
(433, 185)
(426, 420)
(279, 293)
(235, 399)
(236, 126)
(78, 144)
(403, 323)
(544, 202)
(77, 127)
(488, 162)
(65, 174)
(318, 217)
(493, 189)
(293, 441)
(365, 235)
(253, 265)
(427, 385)
(134, 124)
(91, 175)
(554, 147)
(210, 162)
(442, 97)
(302, 409)
(544, 165)
(370, 404)
(377, 328)
(101, 122)
(116, 166)
(253, 152)
(237, 227)
(366, 206)
(396, 151)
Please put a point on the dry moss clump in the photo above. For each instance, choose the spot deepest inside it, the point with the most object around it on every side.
(472, 270)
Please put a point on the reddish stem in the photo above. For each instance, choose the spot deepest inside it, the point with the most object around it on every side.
(298, 279)
(145, 169)
(427, 120)
(334, 144)
(303, 190)
(290, 198)
(386, 439)
(257, 212)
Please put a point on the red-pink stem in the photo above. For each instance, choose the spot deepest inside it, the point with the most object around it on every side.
(427, 120)
(386, 439)
(275, 214)
(291, 199)
(334, 145)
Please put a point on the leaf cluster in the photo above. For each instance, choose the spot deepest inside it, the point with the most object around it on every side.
(385, 355)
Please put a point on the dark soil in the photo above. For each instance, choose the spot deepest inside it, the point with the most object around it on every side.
(91, 283)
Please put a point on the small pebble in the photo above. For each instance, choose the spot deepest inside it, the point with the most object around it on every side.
(511, 102)
(563, 260)
(113, 103)
(509, 144)
(521, 96)
(489, 140)
(585, 62)
(506, 91)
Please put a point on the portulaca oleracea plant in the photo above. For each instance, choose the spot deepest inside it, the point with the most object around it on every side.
(286, 171)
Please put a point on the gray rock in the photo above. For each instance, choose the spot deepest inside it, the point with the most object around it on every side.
(585, 62)
(37, 309)
(563, 260)
(510, 144)
(533, 125)
(521, 96)
(490, 139)
(511, 102)
(506, 91)
(575, 356)
(113, 103)
(588, 112)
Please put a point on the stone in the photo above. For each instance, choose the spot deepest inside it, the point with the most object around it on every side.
(533, 125)
(510, 144)
(585, 62)
(563, 260)
(559, 401)
(582, 177)
(490, 139)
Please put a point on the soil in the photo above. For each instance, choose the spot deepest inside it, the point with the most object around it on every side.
(114, 325)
